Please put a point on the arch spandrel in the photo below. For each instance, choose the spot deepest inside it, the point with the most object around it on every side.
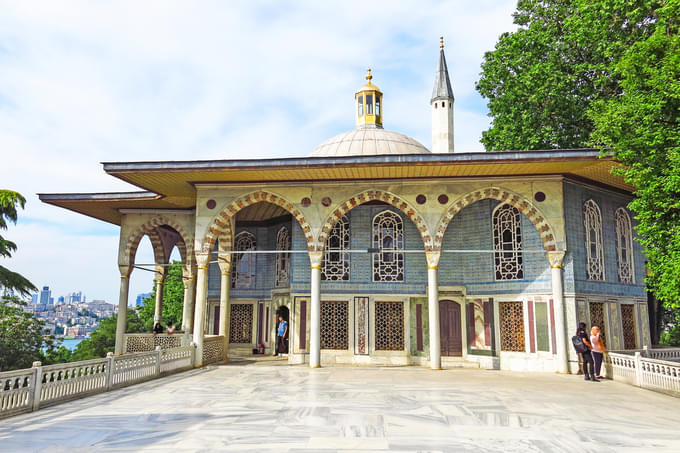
(375, 195)
(221, 227)
(526, 207)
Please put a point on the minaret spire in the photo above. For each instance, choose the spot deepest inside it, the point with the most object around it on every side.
(442, 107)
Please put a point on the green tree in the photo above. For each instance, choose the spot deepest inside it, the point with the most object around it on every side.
(540, 80)
(22, 338)
(642, 129)
(103, 338)
(173, 299)
(9, 280)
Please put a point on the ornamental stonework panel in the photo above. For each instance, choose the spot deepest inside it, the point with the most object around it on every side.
(512, 326)
(628, 321)
(389, 326)
(241, 323)
(334, 325)
(597, 319)
(361, 323)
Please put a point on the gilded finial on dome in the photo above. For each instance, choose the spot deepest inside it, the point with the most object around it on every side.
(368, 75)
(441, 42)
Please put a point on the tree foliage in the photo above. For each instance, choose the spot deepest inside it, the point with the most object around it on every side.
(173, 299)
(12, 281)
(22, 338)
(605, 73)
(103, 338)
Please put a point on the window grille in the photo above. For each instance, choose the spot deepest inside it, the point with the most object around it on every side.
(241, 323)
(389, 326)
(512, 326)
(628, 322)
(624, 246)
(243, 274)
(592, 220)
(336, 258)
(507, 237)
(388, 237)
(597, 319)
(282, 259)
(334, 325)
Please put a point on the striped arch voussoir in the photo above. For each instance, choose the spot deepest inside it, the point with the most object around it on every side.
(522, 204)
(371, 195)
(185, 246)
(220, 228)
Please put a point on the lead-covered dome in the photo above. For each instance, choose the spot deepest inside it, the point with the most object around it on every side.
(369, 138)
(369, 142)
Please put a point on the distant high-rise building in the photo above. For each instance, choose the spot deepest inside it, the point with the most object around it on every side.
(61, 300)
(45, 295)
(35, 298)
(140, 299)
(75, 297)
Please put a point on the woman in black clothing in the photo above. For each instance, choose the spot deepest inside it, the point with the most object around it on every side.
(158, 328)
(586, 356)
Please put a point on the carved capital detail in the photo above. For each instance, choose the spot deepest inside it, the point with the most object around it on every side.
(315, 259)
(555, 258)
(432, 259)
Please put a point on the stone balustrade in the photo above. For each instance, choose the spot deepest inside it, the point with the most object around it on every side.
(649, 372)
(142, 342)
(29, 389)
(213, 349)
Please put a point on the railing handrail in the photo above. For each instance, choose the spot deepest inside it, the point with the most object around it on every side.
(33, 392)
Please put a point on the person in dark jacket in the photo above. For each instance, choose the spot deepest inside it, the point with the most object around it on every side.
(157, 328)
(588, 365)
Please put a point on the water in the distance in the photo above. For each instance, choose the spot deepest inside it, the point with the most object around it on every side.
(72, 343)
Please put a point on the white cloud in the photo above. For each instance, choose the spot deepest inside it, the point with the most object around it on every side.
(85, 82)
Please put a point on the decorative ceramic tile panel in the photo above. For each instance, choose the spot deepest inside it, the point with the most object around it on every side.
(512, 326)
(241, 323)
(614, 333)
(361, 325)
(334, 325)
(628, 321)
(389, 326)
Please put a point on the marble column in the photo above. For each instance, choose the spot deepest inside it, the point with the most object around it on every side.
(121, 324)
(199, 311)
(158, 308)
(315, 259)
(433, 309)
(556, 259)
(225, 286)
(189, 281)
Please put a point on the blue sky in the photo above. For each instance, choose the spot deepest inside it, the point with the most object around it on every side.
(87, 82)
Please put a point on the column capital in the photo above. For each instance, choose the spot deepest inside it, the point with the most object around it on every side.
(315, 259)
(555, 258)
(432, 259)
(125, 270)
(224, 262)
(202, 259)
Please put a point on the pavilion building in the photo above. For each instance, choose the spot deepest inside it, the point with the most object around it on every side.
(379, 251)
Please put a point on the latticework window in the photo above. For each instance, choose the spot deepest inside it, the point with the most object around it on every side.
(592, 220)
(507, 241)
(334, 325)
(243, 274)
(282, 259)
(388, 237)
(624, 246)
(336, 258)
(389, 326)
(628, 322)
(241, 323)
(597, 319)
(512, 326)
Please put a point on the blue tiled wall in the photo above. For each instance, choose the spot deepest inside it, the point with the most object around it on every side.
(471, 229)
(575, 262)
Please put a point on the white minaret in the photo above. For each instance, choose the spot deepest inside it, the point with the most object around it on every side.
(442, 107)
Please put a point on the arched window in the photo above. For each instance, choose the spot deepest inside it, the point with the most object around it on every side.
(388, 237)
(336, 258)
(592, 220)
(507, 241)
(282, 259)
(624, 246)
(243, 274)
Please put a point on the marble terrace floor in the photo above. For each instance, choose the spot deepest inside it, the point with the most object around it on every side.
(271, 406)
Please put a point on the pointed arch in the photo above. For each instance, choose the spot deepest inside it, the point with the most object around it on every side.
(624, 246)
(220, 226)
(371, 195)
(161, 241)
(524, 206)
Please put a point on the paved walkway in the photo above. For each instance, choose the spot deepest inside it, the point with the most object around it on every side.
(270, 407)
